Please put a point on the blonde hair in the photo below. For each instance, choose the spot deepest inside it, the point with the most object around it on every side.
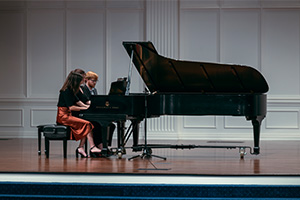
(91, 75)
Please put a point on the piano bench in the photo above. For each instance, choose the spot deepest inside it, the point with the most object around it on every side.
(54, 132)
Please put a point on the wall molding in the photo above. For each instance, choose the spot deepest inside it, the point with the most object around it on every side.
(200, 126)
(287, 112)
(162, 124)
(10, 110)
(237, 125)
(32, 110)
(159, 21)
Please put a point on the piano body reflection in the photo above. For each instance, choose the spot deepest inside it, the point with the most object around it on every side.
(179, 87)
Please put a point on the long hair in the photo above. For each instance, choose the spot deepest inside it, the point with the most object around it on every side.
(72, 82)
(80, 71)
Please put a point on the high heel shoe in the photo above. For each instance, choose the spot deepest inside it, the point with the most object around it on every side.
(77, 152)
(95, 154)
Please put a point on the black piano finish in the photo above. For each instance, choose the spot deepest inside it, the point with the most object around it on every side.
(252, 106)
(207, 104)
(114, 108)
(178, 104)
(183, 88)
(166, 75)
(105, 109)
(130, 105)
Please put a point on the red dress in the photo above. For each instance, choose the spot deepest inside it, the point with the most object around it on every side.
(79, 127)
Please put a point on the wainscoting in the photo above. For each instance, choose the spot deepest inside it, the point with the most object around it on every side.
(44, 40)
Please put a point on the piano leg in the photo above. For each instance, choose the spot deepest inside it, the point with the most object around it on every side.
(256, 122)
(135, 131)
(120, 139)
(111, 128)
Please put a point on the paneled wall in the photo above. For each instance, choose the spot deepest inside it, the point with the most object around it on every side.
(41, 41)
(261, 34)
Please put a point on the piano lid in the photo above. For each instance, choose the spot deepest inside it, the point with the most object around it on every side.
(166, 75)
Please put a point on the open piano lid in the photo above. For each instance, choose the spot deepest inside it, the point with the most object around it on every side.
(165, 75)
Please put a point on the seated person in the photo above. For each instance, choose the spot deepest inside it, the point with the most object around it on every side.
(86, 99)
(89, 89)
(80, 128)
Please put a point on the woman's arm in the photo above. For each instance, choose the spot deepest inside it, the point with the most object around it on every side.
(75, 108)
(81, 104)
(78, 108)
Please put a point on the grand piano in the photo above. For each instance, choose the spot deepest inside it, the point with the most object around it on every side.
(177, 87)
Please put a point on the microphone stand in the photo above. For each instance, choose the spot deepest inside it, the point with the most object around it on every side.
(147, 152)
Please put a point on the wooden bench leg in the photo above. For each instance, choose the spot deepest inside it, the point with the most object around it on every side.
(54, 132)
(39, 140)
(47, 147)
(65, 142)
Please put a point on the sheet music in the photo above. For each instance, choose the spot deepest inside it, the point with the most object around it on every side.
(129, 74)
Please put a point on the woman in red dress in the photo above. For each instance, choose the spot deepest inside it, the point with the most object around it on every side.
(80, 129)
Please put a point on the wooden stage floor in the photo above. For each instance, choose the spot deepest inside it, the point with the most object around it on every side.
(276, 158)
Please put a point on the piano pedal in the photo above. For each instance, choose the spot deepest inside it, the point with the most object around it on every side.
(119, 152)
(242, 151)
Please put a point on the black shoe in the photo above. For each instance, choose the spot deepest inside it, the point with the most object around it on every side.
(105, 153)
(77, 152)
(95, 154)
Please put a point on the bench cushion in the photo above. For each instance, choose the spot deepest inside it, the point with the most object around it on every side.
(56, 131)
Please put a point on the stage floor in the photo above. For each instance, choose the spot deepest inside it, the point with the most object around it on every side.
(277, 158)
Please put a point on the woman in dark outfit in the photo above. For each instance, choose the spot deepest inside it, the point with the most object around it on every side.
(80, 129)
(97, 136)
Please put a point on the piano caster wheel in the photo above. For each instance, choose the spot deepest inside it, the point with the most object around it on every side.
(148, 150)
(119, 155)
(242, 152)
(113, 151)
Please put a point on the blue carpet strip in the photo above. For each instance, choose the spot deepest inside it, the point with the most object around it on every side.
(26, 190)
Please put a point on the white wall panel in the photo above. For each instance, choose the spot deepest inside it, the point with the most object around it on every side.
(85, 4)
(240, 37)
(12, 54)
(12, 5)
(280, 3)
(86, 43)
(123, 26)
(163, 123)
(195, 4)
(42, 116)
(199, 35)
(46, 61)
(282, 119)
(200, 122)
(11, 117)
(236, 123)
(125, 4)
(45, 4)
(240, 4)
(280, 51)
